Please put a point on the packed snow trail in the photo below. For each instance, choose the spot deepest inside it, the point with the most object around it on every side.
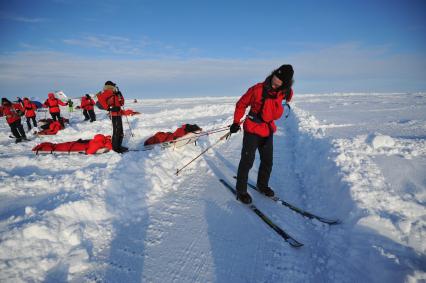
(129, 218)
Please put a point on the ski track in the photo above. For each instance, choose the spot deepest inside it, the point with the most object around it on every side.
(134, 220)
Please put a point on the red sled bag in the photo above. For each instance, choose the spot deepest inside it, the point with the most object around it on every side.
(99, 144)
(130, 112)
(53, 129)
(161, 137)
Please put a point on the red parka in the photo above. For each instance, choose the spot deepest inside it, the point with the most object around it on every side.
(11, 112)
(30, 108)
(272, 110)
(112, 100)
(87, 103)
(53, 103)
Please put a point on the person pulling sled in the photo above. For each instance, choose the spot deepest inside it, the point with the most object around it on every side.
(265, 101)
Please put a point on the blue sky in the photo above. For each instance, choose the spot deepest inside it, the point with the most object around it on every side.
(210, 48)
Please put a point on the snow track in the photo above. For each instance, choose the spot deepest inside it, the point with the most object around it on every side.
(129, 218)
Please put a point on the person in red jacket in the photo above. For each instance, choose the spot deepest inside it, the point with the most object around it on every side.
(112, 99)
(30, 112)
(13, 113)
(87, 104)
(83, 106)
(265, 101)
(53, 103)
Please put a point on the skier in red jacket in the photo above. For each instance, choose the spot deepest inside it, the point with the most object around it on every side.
(265, 101)
(112, 100)
(30, 112)
(53, 104)
(13, 113)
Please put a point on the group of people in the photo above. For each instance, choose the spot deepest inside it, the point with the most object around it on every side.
(13, 111)
(265, 100)
(111, 97)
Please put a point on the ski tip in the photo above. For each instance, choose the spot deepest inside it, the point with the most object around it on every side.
(335, 222)
(330, 221)
(294, 243)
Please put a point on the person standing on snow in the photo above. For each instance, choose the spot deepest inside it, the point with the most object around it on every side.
(265, 101)
(30, 112)
(83, 106)
(70, 105)
(88, 105)
(13, 113)
(111, 99)
(53, 103)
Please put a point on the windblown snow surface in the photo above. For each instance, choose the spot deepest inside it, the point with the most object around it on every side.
(360, 158)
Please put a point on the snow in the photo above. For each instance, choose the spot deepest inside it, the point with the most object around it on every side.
(359, 157)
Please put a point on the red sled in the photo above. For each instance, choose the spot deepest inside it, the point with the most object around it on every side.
(182, 136)
(99, 144)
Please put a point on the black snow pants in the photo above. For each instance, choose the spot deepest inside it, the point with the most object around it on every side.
(17, 129)
(92, 115)
(29, 122)
(86, 115)
(117, 132)
(251, 143)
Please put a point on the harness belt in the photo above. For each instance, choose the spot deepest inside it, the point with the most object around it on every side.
(255, 117)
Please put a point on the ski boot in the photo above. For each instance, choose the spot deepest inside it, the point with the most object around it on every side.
(267, 191)
(244, 197)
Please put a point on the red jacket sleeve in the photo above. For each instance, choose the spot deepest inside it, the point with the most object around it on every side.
(60, 102)
(242, 104)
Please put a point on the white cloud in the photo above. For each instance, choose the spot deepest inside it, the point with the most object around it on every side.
(17, 18)
(346, 67)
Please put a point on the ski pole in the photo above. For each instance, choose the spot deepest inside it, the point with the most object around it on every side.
(128, 123)
(204, 151)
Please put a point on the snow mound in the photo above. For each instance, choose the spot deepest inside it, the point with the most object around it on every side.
(381, 141)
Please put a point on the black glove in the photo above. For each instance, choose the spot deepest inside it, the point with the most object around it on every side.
(114, 109)
(234, 128)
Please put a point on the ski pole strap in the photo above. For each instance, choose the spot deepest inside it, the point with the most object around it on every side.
(255, 117)
(289, 110)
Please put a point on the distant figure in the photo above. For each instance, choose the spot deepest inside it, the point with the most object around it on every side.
(19, 100)
(83, 107)
(70, 105)
(30, 112)
(53, 104)
(265, 101)
(135, 101)
(13, 113)
(87, 104)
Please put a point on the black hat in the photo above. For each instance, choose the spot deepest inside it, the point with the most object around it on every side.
(110, 83)
(284, 73)
(5, 100)
(88, 95)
